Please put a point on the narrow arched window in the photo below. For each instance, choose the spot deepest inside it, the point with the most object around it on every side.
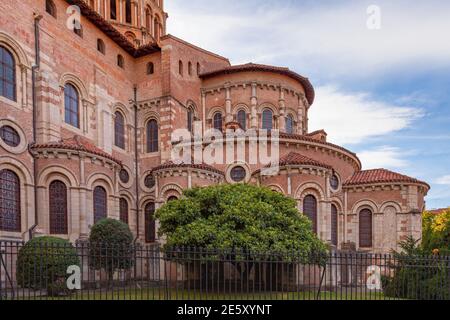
(152, 136)
(10, 219)
(119, 130)
(148, 19)
(58, 207)
(101, 46)
(150, 224)
(150, 68)
(290, 124)
(71, 105)
(120, 61)
(365, 228)
(242, 119)
(180, 67)
(334, 225)
(190, 119)
(190, 68)
(156, 29)
(113, 9)
(123, 207)
(50, 8)
(217, 121)
(128, 11)
(310, 210)
(267, 119)
(100, 204)
(7, 74)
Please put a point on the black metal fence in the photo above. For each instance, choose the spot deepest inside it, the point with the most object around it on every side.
(103, 272)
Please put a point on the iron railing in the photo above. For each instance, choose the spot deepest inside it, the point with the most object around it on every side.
(149, 272)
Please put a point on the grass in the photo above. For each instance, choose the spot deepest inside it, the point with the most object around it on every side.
(130, 294)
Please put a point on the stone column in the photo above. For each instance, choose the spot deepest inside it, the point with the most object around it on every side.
(282, 107)
(300, 115)
(204, 111)
(229, 115)
(254, 106)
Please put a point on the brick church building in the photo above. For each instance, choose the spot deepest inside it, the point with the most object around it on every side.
(87, 116)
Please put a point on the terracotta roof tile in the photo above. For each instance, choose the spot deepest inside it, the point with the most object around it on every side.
(294, 158)
(438, 212)
(76, 143)
(173, 165)
(380, 176)
(309, 90)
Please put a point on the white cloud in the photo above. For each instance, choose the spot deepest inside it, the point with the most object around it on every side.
(351, 118)
(331, 38)
(382, 157)
(445, 180)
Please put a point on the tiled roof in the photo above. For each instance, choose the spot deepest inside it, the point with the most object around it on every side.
(438, 212)
(173, 165)
(309, 90)
(294, 158)
(76, 143)
(380, 176)
(112, 32)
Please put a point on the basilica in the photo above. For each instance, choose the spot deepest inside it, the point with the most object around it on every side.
(91, 93)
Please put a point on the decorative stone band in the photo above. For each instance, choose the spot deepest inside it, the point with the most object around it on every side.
(172, 167)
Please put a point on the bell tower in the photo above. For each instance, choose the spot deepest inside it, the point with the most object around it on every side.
(141, 21)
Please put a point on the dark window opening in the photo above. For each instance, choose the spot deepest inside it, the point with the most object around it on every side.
(242, 119)
(10, 136)
(150, 223)
(124, 176)
(123, 210)
(152, 136)
(365, 228)
(100, 204)
(50, 8)
(217, 121)
(119, 130)
(128, 11)
(7, 74)
(58, 208)
(310, 210)
(149, 181)
(238, 174)
(10, 213)
(150, 68)
(334, 225)
(101, 46)
(71, 105)
(113, 9)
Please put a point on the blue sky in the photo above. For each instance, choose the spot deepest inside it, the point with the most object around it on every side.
(383, 93)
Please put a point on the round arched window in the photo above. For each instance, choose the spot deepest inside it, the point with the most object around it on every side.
(238, 174)
(124, 176)
(334, 182)
(10, 136)
(149, 181)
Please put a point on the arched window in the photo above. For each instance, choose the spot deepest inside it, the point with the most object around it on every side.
(50, 8)
(267, 119)
(150, 224)
(180, 67)
(71, 105)
(57, 192)
(172, 198)
(190, 68)
(148, 19)
(10, 219)
(120, 61)
(290, 124)
(156, 28)
(101, 46)
(7, 74)
(199, 68)
(334, 225)
(100, 204)
(150, 68)
(242, 119)
(119, 130)
(123, 207)
(217, 121)
(152, 136)
(128, 11)
(365, 228)
(310, 210)
(113, 9)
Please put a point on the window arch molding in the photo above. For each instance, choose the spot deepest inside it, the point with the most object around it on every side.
(56, 172)
(170, 190)
(310, 188)
(22, 69)
(266, 105)
(365, 204)
(214, 110)
(100, 179)
(77, 83)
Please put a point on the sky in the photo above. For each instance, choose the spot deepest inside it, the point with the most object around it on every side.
(381, 70)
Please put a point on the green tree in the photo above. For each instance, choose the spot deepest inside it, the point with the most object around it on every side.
(436, 232)
(244, 221)
(42, 264)
(111, 246)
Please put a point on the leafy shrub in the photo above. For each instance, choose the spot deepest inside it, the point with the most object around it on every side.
(416, 275)
(42, 264)
(110, 246)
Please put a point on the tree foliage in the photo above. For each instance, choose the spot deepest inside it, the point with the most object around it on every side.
(42, 264)
(110, 246)
(243, 217)
(436, 232)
